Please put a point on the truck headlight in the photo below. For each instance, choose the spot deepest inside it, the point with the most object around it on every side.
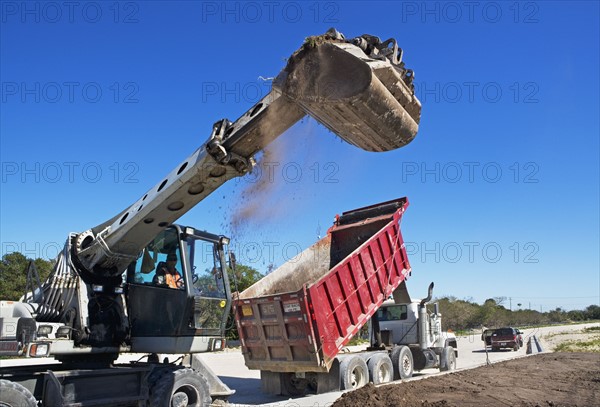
(39, 350)
(218, 344)
(44, 330)
(63, 332)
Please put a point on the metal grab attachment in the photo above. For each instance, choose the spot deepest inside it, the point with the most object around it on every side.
(376, 49)
(215, 148)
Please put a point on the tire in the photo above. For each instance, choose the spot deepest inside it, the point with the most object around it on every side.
(447, 359)
(179, 388)
(516, 347)
(380, 368)
(354, 373)
(14, 395)
(402, 361)
(292, 385)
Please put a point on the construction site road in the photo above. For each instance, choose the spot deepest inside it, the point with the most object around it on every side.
(229, 366)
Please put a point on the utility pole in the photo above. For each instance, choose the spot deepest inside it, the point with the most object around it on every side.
(510, 302)
(529, 304)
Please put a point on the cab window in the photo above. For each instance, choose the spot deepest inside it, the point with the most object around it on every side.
(206, 268)
(392, 313)
(149, 267)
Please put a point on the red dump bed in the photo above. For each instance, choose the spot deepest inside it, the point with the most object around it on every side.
(299, 317)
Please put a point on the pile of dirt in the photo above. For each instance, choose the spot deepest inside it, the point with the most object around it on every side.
(545, 380)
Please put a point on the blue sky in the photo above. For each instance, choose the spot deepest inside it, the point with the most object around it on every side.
(102, 99)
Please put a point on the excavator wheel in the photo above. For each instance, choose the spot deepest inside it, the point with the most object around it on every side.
(180, 388)
(14, 395)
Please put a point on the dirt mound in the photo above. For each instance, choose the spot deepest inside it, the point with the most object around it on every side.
(545, 380)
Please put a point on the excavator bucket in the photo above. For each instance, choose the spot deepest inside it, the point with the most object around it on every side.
(363, 92)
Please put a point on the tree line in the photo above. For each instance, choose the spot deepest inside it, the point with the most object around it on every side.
(461, 315)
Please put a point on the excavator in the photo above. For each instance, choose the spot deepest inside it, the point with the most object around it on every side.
(107, 294)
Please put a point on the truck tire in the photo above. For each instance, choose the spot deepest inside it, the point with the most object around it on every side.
(402, 361)
(380, 368)
(447, 359)
(354, 373)
(179, 388)
(292, 385)
(14, 395)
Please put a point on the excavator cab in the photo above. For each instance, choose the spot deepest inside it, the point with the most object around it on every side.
(178, 294)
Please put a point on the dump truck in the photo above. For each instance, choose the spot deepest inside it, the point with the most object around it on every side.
(109, 292)
(294, 323)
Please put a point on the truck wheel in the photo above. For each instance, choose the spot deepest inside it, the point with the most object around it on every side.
(179, 388)
(447, 359)
(14, 395)
(381, 369)
(293, 386)
(516, 347)
(354, 373)
(402, 361)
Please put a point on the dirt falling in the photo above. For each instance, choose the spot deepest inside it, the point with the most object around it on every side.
(262, 199)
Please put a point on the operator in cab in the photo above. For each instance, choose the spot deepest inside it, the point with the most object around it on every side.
(167, 274)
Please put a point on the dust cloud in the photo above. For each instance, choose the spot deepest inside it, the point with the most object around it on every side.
(263, 197)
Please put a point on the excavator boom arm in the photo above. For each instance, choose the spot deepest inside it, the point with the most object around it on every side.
(357, 88)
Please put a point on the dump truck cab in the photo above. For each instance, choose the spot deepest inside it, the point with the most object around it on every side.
(400, 322)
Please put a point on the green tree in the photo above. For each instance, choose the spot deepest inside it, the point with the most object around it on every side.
(592, 312)
(13, 274)
(243, 277)
(240, 279)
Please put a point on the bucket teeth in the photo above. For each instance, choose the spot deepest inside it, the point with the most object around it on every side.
(362, 92)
